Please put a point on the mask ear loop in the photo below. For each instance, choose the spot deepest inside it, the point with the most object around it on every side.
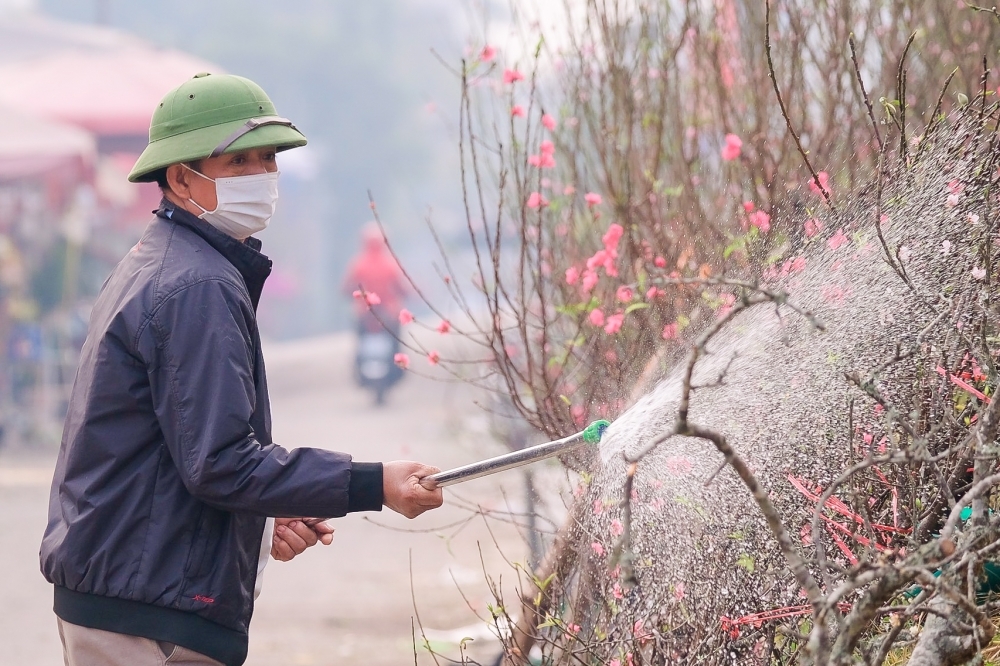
(204, 211)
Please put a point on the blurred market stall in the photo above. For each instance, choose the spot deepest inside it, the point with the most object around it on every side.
(75, 102)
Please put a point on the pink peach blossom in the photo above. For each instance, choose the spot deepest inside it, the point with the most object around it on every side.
(612, 236)
(748, 206)
(824, 183)
(613, 324)
(547, 161)
(549, 122)
(835, 294)
(679, 591)
(598, 507)
(640, 633)
(812, 227)
(535, 160)
(444, 326)
(590, 279)
(670, 331)
(597, 548)
(405, 317)
(979, 273)
(488, 53)
(599, 259)
(372, 299)
(433, 358)
(760, 220)
(573, 629)
(547, 147)
(660, 262)
(572, 275)
(512, 76)
(604, 258)
(592, 199)
(569, 190)
(733, 147)
(625, 293)
(517, 111)
(677, 465)
(402, 360)
(727, 305)
(952, 200)
(536, 200)
(798, 264)
(837, 240)
(616, 527)
(596, 317)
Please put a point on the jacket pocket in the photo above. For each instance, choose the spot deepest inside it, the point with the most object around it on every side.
(204, 555)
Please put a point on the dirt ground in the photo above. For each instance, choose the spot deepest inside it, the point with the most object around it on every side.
(352, 602)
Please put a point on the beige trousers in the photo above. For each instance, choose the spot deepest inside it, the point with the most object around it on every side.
(93, 647)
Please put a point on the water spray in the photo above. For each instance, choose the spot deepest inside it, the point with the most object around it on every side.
(590, 435)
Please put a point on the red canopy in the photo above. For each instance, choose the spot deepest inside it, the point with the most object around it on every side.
(30, 146)
(109, 92)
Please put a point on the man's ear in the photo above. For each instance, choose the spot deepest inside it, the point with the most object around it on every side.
(178, 180)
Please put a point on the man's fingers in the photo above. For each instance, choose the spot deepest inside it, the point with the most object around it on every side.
(426, 497)
(281, 551)
(402, 491)
(323, 530)
(321, 527)
(307, 533)
(293, 539)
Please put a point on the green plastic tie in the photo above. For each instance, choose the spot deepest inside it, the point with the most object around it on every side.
(592, 433)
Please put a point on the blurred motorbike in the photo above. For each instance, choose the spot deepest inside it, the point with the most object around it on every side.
(374, 359)
(374, 367)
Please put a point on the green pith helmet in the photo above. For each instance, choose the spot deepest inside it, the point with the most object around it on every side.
(207, 116)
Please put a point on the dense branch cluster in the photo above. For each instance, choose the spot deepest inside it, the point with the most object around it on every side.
(789, 299)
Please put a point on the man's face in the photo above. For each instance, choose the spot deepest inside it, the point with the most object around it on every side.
(185, 184)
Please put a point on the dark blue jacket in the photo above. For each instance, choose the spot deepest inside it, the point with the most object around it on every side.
(167, 469)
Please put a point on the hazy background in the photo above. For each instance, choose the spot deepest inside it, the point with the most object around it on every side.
(361, 81)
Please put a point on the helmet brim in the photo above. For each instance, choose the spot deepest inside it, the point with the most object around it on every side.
(199, 144)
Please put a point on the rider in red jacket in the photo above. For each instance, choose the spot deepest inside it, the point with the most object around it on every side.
(374, 271)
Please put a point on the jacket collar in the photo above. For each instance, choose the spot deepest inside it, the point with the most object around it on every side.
(246, 257)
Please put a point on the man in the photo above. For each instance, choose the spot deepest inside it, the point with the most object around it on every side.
(158, 519)
(375, 270)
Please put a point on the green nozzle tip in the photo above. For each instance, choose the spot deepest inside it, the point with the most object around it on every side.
(592, 433)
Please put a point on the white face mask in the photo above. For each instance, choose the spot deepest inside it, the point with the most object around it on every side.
(245, 203)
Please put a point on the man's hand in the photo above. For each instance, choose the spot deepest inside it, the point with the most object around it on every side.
(293, 535)
(401, 489)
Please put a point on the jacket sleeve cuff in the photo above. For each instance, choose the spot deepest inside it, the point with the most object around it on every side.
(365, 490)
